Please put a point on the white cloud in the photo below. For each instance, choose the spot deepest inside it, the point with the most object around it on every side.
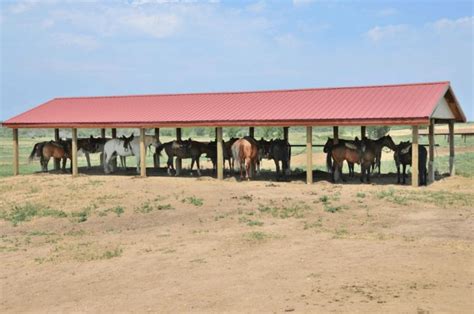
(77, 40)
(287, 40)
(460, 23)
(156, 25)
(47, 23)
(26, 5)
(378, 33)
(302, 2)
(257, 7)
(387, 12)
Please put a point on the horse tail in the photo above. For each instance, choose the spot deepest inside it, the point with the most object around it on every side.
(36, 152)
(236, 154)
(160, 148)
(329, 161)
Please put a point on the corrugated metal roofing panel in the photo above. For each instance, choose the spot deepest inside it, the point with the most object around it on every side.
(387, 104)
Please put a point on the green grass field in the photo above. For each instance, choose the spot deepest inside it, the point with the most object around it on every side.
(297, 135)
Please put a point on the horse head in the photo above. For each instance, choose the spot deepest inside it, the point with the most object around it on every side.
(388, 141)
(328, 145)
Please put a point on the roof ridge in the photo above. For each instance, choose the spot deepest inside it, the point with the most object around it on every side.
(257, 91)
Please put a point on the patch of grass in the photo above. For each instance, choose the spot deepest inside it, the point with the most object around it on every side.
(295, 210)
(81, 216)
(196, 201)
(331, 209)
(111, 254)
(148, 207)
(392, 197)
(444, 198)
(313, 225)
(38, 233)
(118, 210)
(256, 236)
(340, 233)
(26, 212)
(324, 199)
(82, 252)
(75, 233)
(250, 222)
(360, 195)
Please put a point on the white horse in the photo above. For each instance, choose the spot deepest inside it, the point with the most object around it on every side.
(115, 147)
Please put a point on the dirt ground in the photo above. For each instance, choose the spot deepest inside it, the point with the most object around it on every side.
(167, 244)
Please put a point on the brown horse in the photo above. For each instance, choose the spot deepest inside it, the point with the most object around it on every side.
(184, 149)
(384, 141)
(52, 149)
(363, 153)
(245, 153)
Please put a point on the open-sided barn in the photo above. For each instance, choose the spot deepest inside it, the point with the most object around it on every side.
(420, 104)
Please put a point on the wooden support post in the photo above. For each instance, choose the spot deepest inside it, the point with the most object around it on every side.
(16, 154)
(114, 160)
(335, 133)
(252, 131)
(452, 169)
(57, 161)
(431, 175)
(142, 153)
(74, 166)
(102, 135)
(156, 155)
(285, 133)
(309, 155)
(220, 154)
(363, 132)
(414, 156)
(178, 160)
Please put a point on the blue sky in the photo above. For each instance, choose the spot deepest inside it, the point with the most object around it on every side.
(53, 48)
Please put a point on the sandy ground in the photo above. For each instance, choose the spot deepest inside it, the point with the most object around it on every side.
(200, 245)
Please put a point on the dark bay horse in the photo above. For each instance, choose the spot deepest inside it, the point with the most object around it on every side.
(52, 149)
(402, 156)
(182, 150)
(384, 141)
(245, 154)
(227, 152)
(280, 151)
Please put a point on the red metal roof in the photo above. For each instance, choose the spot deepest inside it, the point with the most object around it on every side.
(365, 105)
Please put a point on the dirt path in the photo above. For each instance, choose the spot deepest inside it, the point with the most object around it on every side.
(196, 244)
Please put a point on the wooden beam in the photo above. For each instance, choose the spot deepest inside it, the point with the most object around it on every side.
(156, 155)
(414, 156)
(309, 155)
(363, 132)
(335, 134)
(285, 133)
(101, 157)
(220, 155)
(431, 141)
(252, 131)
(142, 153)
(452, 169)
(74, 166)
(16, 153)
(57, 161)
(178, 160)
(114, 133)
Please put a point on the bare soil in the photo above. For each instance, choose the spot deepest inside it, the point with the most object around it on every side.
(199, 245)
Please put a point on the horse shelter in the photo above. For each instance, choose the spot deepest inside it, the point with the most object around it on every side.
(415, 105)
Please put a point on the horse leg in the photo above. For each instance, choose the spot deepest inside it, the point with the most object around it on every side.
(368, 174)
(169, 165)
(137, 156)
(277, 167)
(404, 173)
(198, 167)
(88, 158)
(398, 173)
(362, 172)
(248, 164)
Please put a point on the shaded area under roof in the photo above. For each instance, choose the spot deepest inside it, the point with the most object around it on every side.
(404, 104)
